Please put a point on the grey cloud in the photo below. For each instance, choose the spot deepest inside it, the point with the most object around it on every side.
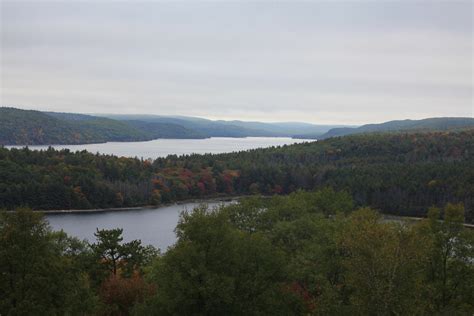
(322, 62)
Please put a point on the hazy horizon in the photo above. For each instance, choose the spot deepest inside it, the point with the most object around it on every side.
(347, 63)
(230, 119)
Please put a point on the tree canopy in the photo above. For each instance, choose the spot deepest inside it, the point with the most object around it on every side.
(401, 174)
(307, 253)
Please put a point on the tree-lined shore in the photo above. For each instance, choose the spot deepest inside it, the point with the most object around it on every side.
(398, 173)
(308, 253)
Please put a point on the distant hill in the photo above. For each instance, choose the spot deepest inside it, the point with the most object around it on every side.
(429, 124)
(19, 127)
(235, 128)
(27, 127)
(201, 126)
(283, 128)
(105, 128)
(165, 130)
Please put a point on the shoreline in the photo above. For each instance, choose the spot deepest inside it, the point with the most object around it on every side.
(414, 219)
(229, 198)
(137, 208)
(21, 146)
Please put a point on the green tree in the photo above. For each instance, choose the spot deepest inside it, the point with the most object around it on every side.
(108, 248)
(117, 270)
(215, 269)
(383, 265)
(450, 270)
(113, 256)
(39, 274)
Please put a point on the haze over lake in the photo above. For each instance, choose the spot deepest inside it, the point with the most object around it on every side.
(164, 147)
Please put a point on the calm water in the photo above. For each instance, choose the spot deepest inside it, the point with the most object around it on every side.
(164, 147)
(153, 226)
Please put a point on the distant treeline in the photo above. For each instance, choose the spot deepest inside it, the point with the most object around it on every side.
(424, 125)
(308, 253)
(26, 127)
(400, 174)
(22, 127)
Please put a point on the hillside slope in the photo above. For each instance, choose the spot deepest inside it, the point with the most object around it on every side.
(27, 127)
(430, 124)
(20, 127)
(165, 130)
(235, 128)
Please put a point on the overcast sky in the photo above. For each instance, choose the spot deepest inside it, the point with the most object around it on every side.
(323, 62)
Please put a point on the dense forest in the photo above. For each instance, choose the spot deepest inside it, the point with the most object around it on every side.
(302, 254)
(402, 174)
(22, 127)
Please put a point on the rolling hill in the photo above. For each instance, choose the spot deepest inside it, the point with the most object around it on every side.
(26, 127)
(235, 128)
(429, 124)
(165, 130)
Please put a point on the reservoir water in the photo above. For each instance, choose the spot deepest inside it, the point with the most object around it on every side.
(164, 147)
(154, 226)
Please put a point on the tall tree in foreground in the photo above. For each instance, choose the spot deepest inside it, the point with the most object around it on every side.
(215, 269)
(383, 264)
(39, 274)
(117, 270)
(449, 271)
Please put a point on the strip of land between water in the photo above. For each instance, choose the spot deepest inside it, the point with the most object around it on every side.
(230, 198)
(136, 208)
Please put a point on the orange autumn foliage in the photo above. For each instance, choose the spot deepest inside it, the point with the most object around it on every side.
(120, 294)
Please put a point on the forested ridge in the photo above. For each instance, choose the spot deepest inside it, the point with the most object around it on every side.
(401, 173)
(25, 127)
(28, 127)
(307, 253)
(427, 125)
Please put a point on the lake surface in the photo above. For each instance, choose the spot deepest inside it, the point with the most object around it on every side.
(152, 226)
(164, 147)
